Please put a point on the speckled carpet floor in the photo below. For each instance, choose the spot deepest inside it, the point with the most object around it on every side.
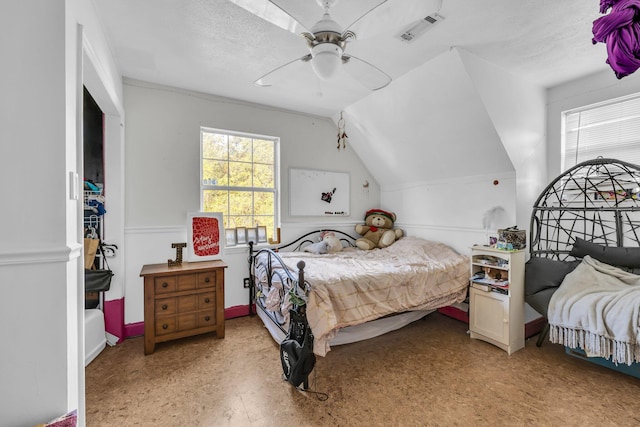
(430, 373)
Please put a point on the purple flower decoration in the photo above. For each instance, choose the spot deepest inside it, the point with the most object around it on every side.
(620, 31)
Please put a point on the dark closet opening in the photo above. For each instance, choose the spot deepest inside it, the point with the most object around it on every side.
(93, 134)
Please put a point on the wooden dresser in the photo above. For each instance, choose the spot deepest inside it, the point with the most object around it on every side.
(183, 300)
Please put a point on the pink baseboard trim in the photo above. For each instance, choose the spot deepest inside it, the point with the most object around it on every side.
(455, 313)
(236, 311)
(131, 330)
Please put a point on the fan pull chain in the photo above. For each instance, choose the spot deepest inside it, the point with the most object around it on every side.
(342, 135)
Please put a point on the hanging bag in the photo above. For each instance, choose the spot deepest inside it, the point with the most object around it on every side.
(96, 281)
(296, 350)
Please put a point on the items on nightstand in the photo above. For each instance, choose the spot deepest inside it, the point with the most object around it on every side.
(496, 307)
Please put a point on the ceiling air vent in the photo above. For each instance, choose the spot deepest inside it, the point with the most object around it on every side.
(420, 27)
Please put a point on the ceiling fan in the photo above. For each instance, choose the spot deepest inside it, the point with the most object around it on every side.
(327, 41)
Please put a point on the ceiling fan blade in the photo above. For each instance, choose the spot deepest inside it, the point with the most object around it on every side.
(271, 12)
(367, 74)
(287, 70)
(391, 15)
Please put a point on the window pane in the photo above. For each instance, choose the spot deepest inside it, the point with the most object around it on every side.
(215, 201)
(240, 203)
(242, 221)
(214, 146)
(239, 149)
(264, 204)
(263, 151)
(240, 174)
(214, 172)
(263, 176)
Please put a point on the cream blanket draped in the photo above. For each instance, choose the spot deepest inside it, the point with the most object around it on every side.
(354, 286)
(597, 309)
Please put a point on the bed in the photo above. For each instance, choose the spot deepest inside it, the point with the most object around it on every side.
(354, 294)
(585, 259)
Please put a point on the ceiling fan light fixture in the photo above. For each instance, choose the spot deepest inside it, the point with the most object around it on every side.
(327, 58)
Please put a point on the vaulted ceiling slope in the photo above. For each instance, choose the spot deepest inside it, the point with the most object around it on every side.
(432, 124)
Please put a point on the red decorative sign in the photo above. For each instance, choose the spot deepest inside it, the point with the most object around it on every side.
(204, 236)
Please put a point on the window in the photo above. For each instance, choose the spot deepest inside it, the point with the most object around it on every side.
(609, 129)
(238, 177)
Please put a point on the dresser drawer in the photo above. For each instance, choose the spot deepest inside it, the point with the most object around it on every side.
(165, 284)
(165, 325)
(187, 321)
(165, 306)
(187, 282)
(206, 318)
(187, 303)
(207, 279)
(206, 300)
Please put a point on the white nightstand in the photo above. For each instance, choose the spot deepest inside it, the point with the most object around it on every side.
(496, 301)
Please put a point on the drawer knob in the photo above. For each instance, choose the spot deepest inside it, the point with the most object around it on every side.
(207, 300)
(165, 284)
(165, 326)
(207, 318)
(164, 306)
(207, 280)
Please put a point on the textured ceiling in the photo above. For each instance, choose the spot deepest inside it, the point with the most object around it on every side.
(217, 47)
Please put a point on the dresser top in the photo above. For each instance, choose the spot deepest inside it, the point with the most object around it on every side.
(163, 268)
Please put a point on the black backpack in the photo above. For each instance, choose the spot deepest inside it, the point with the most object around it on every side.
(296, 350)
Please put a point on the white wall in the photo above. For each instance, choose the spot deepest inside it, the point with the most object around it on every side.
(517, 110)
(162, 174)
(457, 211)
(442, 134)
(585, 91)
(42, 362)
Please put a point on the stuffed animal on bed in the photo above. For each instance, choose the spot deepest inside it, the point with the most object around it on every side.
(377, 230)
(329, 244)
(333, 243)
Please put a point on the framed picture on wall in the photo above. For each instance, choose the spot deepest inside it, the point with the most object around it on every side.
(204, 236)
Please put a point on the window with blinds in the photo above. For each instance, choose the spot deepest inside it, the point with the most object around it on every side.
(610, 129)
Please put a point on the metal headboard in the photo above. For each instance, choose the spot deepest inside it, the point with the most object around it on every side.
(597, 200)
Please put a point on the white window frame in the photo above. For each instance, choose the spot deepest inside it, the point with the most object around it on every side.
(609, 129)
(276, 165)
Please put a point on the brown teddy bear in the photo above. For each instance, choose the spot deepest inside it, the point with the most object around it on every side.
(377, 231)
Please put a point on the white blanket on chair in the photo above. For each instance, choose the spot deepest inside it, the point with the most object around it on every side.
(597, 308)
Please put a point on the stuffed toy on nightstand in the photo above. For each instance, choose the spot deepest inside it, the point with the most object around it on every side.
(377, 230)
